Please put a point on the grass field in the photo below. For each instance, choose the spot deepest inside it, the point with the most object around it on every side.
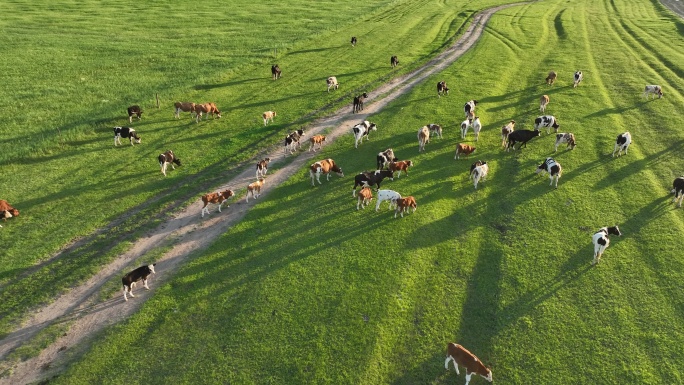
(307, 290)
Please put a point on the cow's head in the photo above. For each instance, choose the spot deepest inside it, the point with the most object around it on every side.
(151, 267)
(614, 230)
(488, 375)
(177, 161)
(373, 127)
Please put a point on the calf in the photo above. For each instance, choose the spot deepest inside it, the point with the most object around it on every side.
(677, 190)
(547, 121)
(125, 132)
(316, 140)
(206, 108)
(369, 178)
(402, 205)
(275, 72)
(543, 102)
(7, 211)
(505, 131)
(464, 127)
(325, 166)
(461, 356)
(479, 172)
(332, 83)
(215, 198)
(262, 168)
(140, 274)
(477, 126)
(522, 136)
(353, 41)
(423, 138)
(653, 89)
(563, 137)
(268, 115)
(400, 166)
(168, 158)
(394, 61)
(435, 129)
(387, 195)
(601, 241)
(551, 78)
(464, 149)
(442, 89)
(361, 131)
(578, 78)
(292, 140)
(384, 158)
(134, 111)
(469, 109)
(622, 143)
(254, 189)
(364, 197)
(183, 107)
(358, 102)
(553, 168)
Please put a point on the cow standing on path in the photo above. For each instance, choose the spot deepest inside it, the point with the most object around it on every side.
(215, 198)
(139, 274)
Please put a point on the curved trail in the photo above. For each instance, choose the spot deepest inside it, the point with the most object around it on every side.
(676, 6)
(187, 233)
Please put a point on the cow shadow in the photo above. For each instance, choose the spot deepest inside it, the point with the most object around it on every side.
(614, 110)
(301, 51)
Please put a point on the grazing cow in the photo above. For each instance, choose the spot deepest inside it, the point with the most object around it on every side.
(7, 211)
(435, 129)
(134, 111)
(442, 89)
(402, 205)
(332, 83)
(215, 198)
(353, 41)
(578, 79)
(184, 107)
(125, 132)
(464, 127)
(478, 171)
(522, 136)
(469, 109)
(505, 131)
(268, 115)
(168, 158)
(464, 149)
(543, 102)
(206, 108)
(400, 166)
(275, 72)
(384, 158)
(369, 178)
(292, 140)
(254, 189)
(563, 137)
(547, 121)
(262, 168)
(394, 61)
(622, 143)
(325, 166)
(677, 190)
(477, 126)
(364, 197)
(316, 140)
(423, 138)
(551, 78)
(134, 276)
(461, 356)
(387, 195)
(553, 168)
(362, 130)
(601, 241)
(358, 102)
(653, 89)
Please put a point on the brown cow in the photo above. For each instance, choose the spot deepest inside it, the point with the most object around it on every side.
(551, 78)
(461, 356)
(317, 140)
(215, 198)
(402, 205)
(364, 197)
(7, 211)
(400, 166)
(268, 115)
(543, 102)
(254, 189)
(324, 166)
(505, 131)
(207, 108)
(465, 149)
(184, 107)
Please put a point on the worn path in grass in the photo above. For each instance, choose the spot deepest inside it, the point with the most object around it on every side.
(677, 6)
(187, 233)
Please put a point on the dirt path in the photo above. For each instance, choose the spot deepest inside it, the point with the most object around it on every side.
(187, 233)
(676, 6)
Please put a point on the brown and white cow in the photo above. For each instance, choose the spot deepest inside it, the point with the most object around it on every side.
(268, 115)
(364, 197)
(215, 198)
(7, 211)
(423, 138)
(134, 276)
(505, 131)
(435, 129)
(183, 107)
(404, 204)
(254, 189)
(464, 149)
(134, 111)
(275, 72)
(325, 166)
(262, 167)
(168, 158)
(316, 140)
(402, 165)
(543, 102)
(461, 356)
(442, 89)
(565, 137)
(206, 108)
(551, 78)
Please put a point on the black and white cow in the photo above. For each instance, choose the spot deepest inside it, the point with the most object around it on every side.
(358, 102)
(678, 190)
(547, 121)
(385, 158)
(292, 140)
(262, 168)
(577, 79)
(139, 274)
(394, 61)
(134, 111)
(369, 178)
(563, 137)
(361, 131)
(522, 136)
(469, 109)
(553, 168)
(622, 143)
(125, 132)
(353, 41)
(442, 89)
(601, 241)
(168, 158)
(276, 72)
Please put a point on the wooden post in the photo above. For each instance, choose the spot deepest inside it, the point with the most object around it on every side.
(157, 95)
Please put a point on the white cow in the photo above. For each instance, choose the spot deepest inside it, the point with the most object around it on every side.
(477, 126)
(479, 173)
(464, 127)
(653, 89)
(332, 83)
(387, 195)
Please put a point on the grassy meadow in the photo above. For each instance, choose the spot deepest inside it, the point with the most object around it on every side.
(308, 290)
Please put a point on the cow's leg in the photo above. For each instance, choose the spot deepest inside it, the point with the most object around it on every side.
(220, 204)
(328, 177)
(124, 291)
(145, 284)
(468, 375)
(318, 177)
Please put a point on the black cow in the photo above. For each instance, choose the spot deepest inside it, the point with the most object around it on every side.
(168, 158)
(353, 41)
(292, 140)
(369, 178)
(275, 72)
(125, 132)
(442, 89)
(522, 136)
(469, 109)
(134, 276)
(358, 102)
(394, 61)
(134, 111)
(548, 121)
(385, 158)
(678, 190)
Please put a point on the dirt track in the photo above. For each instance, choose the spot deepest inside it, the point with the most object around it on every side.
(676, 6)
(187, 233)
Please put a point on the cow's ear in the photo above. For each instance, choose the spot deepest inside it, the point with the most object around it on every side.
(154, 264)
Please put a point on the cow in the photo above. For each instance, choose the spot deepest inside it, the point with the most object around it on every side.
(563, 137)
(435, 129)
(400, 166)
(601, 241)
(622, 143)
(206, 108)
(332, 83)
(469, 109)
(325, 166)
(168, 158)
(364, 197)
(653, 89)
(7, 211)
(543, 102)
(522, 136)
(292, 140)
(505, 131)
(442, 89)
(423, 138)
(551, 78)
(553, 168)
(134, 111)
(464, 127)
(362, 130)
(479, 172)
(268, 115)
(394, 61)
(465, 149)
(461, 356)
(547, 121)
(140, 274)
(215, 198)
(262, 168)
(402, 205)
(183, 107)
(384, 158)
(275, 72)
(316, 140)
(477, 126)
(677, 190)
(353, 41)
(358, 102)
(254, 189)
(125, 132)
(577, 79)
(387, 195)
(369, 178)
